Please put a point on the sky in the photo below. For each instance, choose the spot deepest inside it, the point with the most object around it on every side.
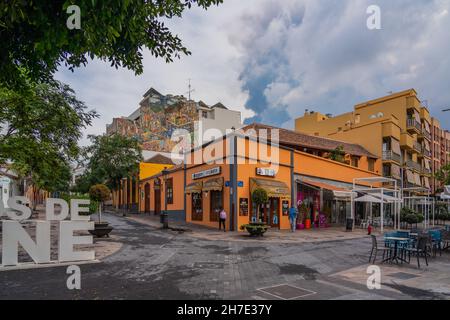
(272, 59)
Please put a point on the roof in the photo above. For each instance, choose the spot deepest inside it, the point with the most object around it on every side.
(292, 138)
(159, 159)
(219, 105)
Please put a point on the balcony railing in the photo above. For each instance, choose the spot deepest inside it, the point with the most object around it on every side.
(413, 165)
(426, 152)
(389, 155)
(426, 134)
(426, 171)
(417, 147)
(413, 123)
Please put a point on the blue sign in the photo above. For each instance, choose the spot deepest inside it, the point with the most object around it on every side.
(240, 184)
(227, 183)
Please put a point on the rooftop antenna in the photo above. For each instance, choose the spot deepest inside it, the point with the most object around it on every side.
(190, 89)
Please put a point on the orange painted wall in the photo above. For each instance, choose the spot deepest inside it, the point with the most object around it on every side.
(310, 165)
(225, 173)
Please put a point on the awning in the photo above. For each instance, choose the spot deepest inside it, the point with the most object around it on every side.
(427, 145)
(395, 171)
(427, 164)
(274, 188)
(321, 185)
(195, 187)
(417, 179)
(426, 182)
(427, 127)
(409, 176)
(215, 184)
(395, 146)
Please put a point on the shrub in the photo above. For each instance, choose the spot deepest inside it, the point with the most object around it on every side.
(259, 197)
(99, 192)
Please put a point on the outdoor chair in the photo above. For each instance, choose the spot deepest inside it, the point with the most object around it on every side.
(376, 248)
(445, 240)
(436, 241)
(364, 224)
(421, 250)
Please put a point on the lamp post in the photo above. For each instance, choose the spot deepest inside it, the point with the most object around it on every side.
(164, 215)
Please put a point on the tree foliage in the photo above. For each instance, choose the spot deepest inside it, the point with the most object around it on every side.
(259, 197)
(109, 159)
(338, 154)
(443, 175)
(34, 35)
(39, 131)
(99, 192)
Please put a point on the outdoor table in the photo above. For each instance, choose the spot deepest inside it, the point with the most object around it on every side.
(395, 256)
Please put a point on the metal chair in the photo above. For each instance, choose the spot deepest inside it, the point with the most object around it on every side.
(376, 249)
(421, 250)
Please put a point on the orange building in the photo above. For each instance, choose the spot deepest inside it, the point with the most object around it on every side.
(290, 166)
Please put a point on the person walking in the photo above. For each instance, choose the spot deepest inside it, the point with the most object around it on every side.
(222, 219)
(293, 217)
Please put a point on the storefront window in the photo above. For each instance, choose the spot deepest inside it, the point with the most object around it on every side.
(216, 204)
(197, 207)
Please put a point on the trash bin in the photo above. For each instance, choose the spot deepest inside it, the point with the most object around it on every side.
(164, 218)
(349, 225)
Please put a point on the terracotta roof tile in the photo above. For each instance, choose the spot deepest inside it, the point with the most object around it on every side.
(290, 138)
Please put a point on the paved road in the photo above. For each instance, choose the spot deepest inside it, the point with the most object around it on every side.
(156, 264)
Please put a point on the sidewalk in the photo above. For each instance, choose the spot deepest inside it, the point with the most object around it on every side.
(272, 235)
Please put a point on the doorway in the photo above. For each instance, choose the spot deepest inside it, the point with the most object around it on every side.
(147, 197)
(274, 212)
(157, 200)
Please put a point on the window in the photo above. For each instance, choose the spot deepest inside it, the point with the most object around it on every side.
(355, 161)
(169, 191)
(197, 207)
(371, 164)
(204, 114)
(216, 204)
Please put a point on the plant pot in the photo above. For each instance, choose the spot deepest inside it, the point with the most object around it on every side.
(101, 229)
(308, 224)
(256, 229)
(300, 226)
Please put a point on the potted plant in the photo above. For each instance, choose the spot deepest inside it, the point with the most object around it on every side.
(259, 197)
(306, 214)
(302, 211)
(100, 193)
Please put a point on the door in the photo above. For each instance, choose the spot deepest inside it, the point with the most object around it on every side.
(157, 200)
(274, 209)
(147, 197)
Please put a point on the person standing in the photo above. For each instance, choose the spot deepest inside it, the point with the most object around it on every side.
(222, 219)
(293, 217)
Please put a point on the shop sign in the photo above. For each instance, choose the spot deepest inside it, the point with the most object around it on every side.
(240, 184)
(206, 173)
(227, 183)
(265, 172)
(243, 206)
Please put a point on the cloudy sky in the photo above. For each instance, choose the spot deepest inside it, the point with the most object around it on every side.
(272, 59)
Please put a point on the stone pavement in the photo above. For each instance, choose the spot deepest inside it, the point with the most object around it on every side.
(165, 264)
(272, 236)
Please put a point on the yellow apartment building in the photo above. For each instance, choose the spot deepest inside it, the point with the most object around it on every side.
(398, 128)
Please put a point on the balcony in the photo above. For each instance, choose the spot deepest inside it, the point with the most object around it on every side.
(407, 141)
(413, 126)
(425, 171)
(389, 155)
(414, 165)
(424, 135)
(417, 147)
(426, 153)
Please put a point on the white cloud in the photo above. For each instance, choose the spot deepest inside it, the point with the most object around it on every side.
(280, 57)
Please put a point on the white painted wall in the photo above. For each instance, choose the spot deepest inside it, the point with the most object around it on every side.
(219, 120)
(8, 188)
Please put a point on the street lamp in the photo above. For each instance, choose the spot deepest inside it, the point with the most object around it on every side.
(164, 215)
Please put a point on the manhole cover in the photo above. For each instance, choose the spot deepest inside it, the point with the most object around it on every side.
(287, 292)
(403, 275)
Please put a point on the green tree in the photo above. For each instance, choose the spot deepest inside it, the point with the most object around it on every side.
(99, 193)
(443, 175)
(34, 35)
(39, 131)
(338, 154)
(109, 159)
(259, 197)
